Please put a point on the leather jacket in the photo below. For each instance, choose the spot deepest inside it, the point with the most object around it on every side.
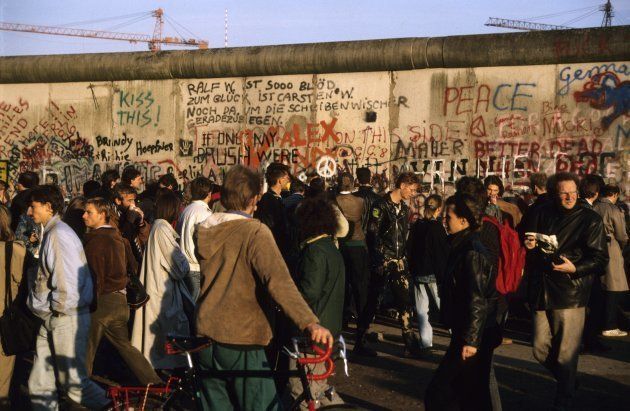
(369, 198)
(468, 295)
(271, 212)
(388, 230)
(581, 238)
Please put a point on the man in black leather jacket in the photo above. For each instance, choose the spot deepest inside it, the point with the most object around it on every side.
(388, 229)
(366, 192)
(560, 281)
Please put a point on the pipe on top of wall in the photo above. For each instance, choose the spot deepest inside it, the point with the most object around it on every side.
(484, 50)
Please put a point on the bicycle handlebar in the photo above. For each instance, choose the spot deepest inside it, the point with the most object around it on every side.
(322, 356)
(179, 345)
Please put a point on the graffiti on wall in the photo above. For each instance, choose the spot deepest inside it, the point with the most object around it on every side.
(441, 124)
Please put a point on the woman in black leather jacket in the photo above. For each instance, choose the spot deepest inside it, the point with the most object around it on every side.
(469, 308)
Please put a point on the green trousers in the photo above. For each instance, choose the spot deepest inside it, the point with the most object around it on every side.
(243, 394)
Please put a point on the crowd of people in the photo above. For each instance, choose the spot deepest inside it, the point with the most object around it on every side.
(250, 269)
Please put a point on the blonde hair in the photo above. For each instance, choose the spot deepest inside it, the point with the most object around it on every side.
(6, 234)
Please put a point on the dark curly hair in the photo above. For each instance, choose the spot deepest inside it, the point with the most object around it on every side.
(468, 207)
(559, 178)
(316, 188)
(472, 187)
(49, 193)
(316, 216)
(591, 185)
(494, 180)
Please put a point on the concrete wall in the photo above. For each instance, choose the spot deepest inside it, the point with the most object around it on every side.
(444, 123)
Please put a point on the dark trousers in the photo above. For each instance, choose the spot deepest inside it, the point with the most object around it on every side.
(399, 284)
(463, 385)
(613, 305)
(594, 314)
(110, 320)
(245, 394)
(355, 259)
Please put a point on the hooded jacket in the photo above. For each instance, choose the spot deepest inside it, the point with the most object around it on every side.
(194, 214)
(243, 276)
(581, 238)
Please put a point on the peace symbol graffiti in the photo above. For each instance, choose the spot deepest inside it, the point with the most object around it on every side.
(326, 167)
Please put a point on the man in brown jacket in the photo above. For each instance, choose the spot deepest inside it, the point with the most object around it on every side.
(353, 246)
(242, 275)
(110, 258)
(511, 212)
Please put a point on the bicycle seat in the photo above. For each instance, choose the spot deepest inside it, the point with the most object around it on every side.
(176, 344)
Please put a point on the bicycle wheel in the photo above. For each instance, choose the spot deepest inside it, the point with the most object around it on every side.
(138, 402)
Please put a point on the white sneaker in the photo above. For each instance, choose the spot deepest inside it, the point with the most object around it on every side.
(614, 333)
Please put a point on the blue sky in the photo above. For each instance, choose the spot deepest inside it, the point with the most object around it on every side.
(279, 22)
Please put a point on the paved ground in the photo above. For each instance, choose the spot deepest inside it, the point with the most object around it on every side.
(390, 382)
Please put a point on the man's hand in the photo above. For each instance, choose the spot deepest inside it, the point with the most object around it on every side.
(468, 351)
(530, 242)
(320, 334)
(138, 210)
(33, 238)
(566, 267)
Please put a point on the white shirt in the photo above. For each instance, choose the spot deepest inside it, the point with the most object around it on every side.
(196, 212)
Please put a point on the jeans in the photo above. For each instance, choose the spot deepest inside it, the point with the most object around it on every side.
(557, 337)
(193, 283)
(421, 292)
(60, 350)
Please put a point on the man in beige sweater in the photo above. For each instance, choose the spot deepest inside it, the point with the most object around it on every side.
(243, 276)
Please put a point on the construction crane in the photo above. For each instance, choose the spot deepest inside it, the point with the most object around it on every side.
(155, 41)
(526, 25)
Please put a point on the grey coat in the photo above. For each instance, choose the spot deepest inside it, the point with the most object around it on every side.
(615, 227)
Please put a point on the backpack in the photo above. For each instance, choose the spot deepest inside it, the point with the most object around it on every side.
(511, 258)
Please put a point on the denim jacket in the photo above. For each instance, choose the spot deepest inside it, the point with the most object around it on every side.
(63, 283)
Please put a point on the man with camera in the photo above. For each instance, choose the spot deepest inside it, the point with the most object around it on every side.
(566, 250)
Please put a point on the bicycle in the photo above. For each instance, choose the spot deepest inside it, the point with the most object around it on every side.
(184, 393)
